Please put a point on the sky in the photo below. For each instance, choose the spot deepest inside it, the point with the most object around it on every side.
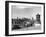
(25, 11)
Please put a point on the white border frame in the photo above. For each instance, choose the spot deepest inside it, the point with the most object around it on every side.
(24, 32)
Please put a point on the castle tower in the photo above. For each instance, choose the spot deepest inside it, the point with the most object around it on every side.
(38, 17)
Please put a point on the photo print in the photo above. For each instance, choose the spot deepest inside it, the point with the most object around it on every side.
(25, 17)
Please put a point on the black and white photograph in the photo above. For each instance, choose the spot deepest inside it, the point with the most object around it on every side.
(25, 18)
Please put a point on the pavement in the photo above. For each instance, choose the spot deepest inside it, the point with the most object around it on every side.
(29, 28)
